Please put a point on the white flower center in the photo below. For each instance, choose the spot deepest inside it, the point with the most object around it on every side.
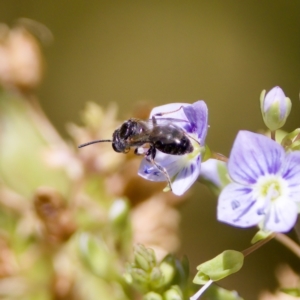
(270, 188)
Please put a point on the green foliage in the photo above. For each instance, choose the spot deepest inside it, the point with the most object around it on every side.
(223, 265)
(295, 292)
(260, 235)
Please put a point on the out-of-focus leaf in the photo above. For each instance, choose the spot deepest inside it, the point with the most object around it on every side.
(22, 166)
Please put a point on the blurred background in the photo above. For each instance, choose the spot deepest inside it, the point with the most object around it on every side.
(156, 52)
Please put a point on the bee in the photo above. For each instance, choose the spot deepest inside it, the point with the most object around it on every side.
(161, 134)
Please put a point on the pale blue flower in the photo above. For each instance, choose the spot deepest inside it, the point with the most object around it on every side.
(183, 170)
(266, 185)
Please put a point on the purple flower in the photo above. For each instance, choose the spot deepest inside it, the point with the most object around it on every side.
(182, 170)
(266, 185)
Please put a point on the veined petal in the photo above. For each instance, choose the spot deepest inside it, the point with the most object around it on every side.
(200, 119)
(236, 206)
(171, 163)
(254, 155)
(291, 173)
(149, 171)
(187, 176)
(282, 216)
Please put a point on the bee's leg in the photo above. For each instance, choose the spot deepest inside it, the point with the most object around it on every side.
(151, 153)
(165, 113)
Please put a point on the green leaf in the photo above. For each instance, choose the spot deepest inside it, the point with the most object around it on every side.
(226, 263)
(260, 235)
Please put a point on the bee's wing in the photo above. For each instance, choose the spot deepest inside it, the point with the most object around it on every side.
(165, 121)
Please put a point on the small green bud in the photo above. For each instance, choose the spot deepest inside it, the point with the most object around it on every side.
(152, 296)
(226, 263)
(292, 140)
(275, 108)
(155, 276)
(174, 293)
(139, 276)
(168, 271)
(144, 257)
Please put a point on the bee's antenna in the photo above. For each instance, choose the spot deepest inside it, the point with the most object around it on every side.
(93, 142)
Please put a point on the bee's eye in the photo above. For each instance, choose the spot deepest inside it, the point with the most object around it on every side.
(117, 147)
(126, 130)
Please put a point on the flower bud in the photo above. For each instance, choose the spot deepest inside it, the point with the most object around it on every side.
(144, 258)
(226, 263)
(168, 271)
(139, 276)
(292, 140)
(275, 108)
(174, 293)
(156, 277)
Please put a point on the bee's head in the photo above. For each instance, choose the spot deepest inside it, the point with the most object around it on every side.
(120, 142)
(120, 137)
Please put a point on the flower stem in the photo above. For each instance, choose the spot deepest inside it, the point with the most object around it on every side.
(219, 156)
(258, 245)
(202, 290)
(289, 243)
(273, 135)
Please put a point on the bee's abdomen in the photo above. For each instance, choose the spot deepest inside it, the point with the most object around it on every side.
(174, 146)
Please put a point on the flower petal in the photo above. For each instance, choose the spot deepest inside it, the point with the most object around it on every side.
(148, 171)
(291, 173)
(254, 155)
(237, 207)
(187, 176)
(172, 164)
(210, 170)
(282, 216)
(197, 114)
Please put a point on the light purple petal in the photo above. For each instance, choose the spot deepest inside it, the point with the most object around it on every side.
(282, 216)
(197, 115)
(291, 173)
(172, 164)
(210, 171)
(237, 207)
(148, 171)
(254, 155)
(187, 176)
